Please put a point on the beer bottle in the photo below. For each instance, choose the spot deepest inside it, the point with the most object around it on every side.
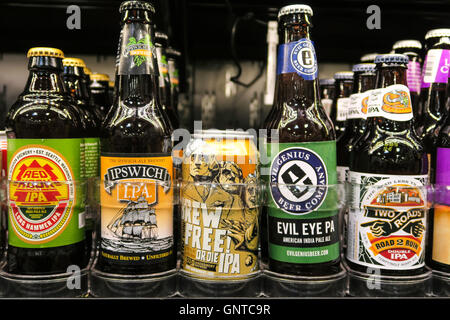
(343, 88)
(433, 94)
(387, 211)
(173, 60)
(327, 92)
(111, 91)
(306, 140)
(100, 92)
(364, 80)
(161, 40)
(413, 50)
(437, 253)
(45, 140)
(136, 164)
(74, 80)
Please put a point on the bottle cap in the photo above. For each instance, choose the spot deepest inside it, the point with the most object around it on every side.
(99, 77)
(343, 75)
(326, 82)
(136, 5)
(73, 62)
(392, 59)
(364, 67)
(87, 71)
(370, 57)
(295, 8)
(111, 84)
(407, 44)
(437, 33)
(45, 51)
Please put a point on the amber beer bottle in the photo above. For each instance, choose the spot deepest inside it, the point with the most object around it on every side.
(305, 154)
(438, 257)
(413, 50)
(343, 89)
(161, 40)
(99, 87)
(136, 164)
(363, 81)
(433, 96)
(74, 80)
(387, 214)
(45, 137)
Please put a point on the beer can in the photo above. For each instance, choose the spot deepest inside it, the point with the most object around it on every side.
(220, 206)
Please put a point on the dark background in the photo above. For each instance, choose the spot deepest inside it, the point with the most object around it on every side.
(201, 30)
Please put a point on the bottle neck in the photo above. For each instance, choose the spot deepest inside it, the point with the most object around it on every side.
(364, 82)
(297, 72)
(388, 76)
(72, 80)
(137, 71)
(45, 76)
(343, 88)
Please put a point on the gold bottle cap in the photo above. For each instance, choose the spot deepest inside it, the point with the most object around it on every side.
(73, 62)
(87, 71)
(99, 77)
(46, 52)
(111, 84)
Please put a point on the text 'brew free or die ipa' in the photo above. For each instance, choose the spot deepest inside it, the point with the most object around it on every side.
(136, 191)
(302, 212)
(45, 132)
(387, 217)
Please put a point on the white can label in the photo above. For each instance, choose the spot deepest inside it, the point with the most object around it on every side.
(387, 221)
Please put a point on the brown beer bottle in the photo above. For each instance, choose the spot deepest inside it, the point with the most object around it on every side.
(161, 40)
(45, 136)
(363, 81)
(136, 164)
(306, 140)
(100, 92)
(387, 176)
(433, 96)
(413, 50)
(343, 89)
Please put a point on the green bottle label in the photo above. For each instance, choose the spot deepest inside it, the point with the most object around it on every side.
(91, 171)
(45, 192)
(302, 202)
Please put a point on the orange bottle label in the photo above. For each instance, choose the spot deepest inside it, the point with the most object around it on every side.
(136, 196)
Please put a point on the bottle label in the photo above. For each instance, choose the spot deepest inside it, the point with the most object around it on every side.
(136, 199)
(91, 174)
(220, 209)
(387, 221)
(302, 207)
(173, 74)
(342, 108)
(441, 216)
(414, 76)
(357, 107)
(392, 102)
(437, 66)
(136, 50)
(45, 192)
(299, 57)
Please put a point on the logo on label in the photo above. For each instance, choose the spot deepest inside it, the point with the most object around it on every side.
(303, 57)
(393, 227)
(397, 101)
(364, 104)
(296, 177)
(41, 193)
(140, 50)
